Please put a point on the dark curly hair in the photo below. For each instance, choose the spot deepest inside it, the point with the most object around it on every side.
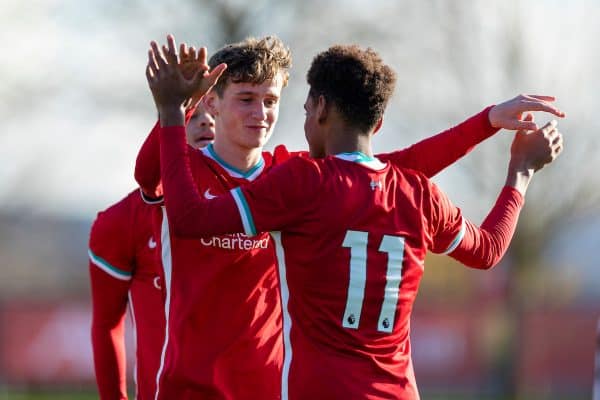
(355, 80)
(253, 61)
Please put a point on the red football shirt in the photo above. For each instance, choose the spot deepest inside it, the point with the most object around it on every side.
(124, 271)
(352, 233)
(196, 293)
(224, 327)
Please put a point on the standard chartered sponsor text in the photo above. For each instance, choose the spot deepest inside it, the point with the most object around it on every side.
(237, 241)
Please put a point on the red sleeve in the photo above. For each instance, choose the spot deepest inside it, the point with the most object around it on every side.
(280, 198)
(109, 299)
(483, 247)
(110, 266)
(147, 163)
(432, 155)
(190, 215)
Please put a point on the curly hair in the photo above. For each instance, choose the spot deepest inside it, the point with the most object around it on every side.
(253, 61)
(355, 80)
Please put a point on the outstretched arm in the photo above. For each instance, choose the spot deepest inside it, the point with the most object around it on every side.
(432, 155)
(483, 247)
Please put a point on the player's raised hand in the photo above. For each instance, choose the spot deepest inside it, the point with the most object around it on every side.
(173, 79)
(510, 114)
(190, 61)
(534, 150)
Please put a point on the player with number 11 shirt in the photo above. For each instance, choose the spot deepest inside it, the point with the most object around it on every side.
(351, 230)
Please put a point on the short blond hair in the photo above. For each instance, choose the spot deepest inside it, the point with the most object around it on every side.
(253, 61)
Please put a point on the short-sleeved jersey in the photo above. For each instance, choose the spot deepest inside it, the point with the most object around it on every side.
(124, 248)
(351, 236)
(224, 326)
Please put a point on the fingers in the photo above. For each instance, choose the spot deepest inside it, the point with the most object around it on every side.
(158, 55)
(539, 97)
(215, 74)
(522, 125)
(171, 44)
(150, 75)
(170, 51)
(549, 130)
(183, 51)
(202, 55)
(152, 64)
(529, 118)
(553, 139)
(538, 105)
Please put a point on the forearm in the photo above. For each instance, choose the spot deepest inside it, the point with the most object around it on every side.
(519, 176)
(171, 115)
(432, 155)
(189, 214)
(147, 165)
(109, 360)
(483, 247)
(109, 300)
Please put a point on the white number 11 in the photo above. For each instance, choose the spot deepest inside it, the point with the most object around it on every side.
(394, 246)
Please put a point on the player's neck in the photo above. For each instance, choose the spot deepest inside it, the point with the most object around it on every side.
(345, 139)
(240, 158)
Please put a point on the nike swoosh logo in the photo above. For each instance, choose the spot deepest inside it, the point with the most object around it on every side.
(151, 243)
(208, 195)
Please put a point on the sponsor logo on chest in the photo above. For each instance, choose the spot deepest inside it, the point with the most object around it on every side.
(236, 241)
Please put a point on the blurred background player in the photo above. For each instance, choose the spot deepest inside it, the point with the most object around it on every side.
(124, 271)
(351, 231)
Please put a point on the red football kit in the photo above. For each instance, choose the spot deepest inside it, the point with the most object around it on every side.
(224, 313)
(223, 339)
(124, 271)
(351, 233)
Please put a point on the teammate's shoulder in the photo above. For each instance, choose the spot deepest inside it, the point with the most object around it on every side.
(282, 154)
(298, 169)
(123, 206)
(411, 175)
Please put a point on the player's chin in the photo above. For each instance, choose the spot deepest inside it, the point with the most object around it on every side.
(258, 137)
(201, 143)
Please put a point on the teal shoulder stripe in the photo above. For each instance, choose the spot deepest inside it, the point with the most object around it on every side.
(457, 239)
(245, 213)
(109, 269)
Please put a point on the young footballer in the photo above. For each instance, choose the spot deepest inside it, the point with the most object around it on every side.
(124, 271)
(351, 230)
(224, 325)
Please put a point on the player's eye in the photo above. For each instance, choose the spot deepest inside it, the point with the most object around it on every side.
(270, 102)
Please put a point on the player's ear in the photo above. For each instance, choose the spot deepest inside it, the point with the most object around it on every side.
(209, 100)
(322, 109)
(378, 125)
